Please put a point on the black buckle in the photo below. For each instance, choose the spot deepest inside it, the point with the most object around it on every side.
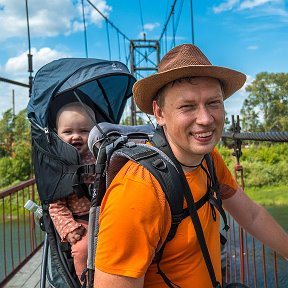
(89, 169)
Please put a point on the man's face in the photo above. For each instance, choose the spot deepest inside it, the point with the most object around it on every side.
(192, 116)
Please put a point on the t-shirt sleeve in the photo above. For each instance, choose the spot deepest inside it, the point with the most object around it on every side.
(131, 217)
(228, 184)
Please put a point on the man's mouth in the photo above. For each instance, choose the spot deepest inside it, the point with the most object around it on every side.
(203, 135)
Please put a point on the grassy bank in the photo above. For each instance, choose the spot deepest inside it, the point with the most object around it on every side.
(269, 195)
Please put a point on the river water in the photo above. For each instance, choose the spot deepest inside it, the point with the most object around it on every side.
(280, 214)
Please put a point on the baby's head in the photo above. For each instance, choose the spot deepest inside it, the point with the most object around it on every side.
(73, 125)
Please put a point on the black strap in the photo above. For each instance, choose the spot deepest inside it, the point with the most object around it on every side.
(162, 170)
(160, 140)
(81, 217)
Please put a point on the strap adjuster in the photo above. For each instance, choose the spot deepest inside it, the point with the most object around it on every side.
(89, 169)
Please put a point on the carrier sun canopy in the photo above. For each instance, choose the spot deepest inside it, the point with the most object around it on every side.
(107, 83)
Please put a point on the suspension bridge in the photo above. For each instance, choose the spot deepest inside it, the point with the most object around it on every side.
(142, 57)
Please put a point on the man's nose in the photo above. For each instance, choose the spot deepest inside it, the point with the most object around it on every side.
(204, 117)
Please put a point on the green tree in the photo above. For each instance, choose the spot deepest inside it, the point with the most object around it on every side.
(6, 135)
(22, 146)
(15, 161)
(127, 121)
(266, 108)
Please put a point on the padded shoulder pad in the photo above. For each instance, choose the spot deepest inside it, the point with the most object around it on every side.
(96, 135)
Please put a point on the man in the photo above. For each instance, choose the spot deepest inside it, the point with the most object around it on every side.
(186, 96)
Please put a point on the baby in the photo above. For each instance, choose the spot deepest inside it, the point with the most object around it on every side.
(70, 215)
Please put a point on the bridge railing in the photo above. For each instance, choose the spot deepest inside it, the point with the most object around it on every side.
(247, 260)
(20, 237)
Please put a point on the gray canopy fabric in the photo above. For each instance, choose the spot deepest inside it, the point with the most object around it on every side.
(107, 83)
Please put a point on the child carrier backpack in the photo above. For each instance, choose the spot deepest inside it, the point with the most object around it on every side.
(114, 145)
(105, 86)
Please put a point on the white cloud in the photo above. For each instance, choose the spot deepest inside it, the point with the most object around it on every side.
(252, 47)
(148, 27)
(225, 6)
(94, 16)
(16, 68)
(249, 4)
(47, 18)
(151, 26)
(19, 65)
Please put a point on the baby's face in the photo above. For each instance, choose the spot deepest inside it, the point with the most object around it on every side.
(73, 127)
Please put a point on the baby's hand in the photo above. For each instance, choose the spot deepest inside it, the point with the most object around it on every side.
(75, 235)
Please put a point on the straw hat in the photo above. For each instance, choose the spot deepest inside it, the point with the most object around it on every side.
(185, 60)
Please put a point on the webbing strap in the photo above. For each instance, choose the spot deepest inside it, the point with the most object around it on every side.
(165, 173)
(160, 140)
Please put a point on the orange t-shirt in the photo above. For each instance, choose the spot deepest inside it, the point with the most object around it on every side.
(135, 219)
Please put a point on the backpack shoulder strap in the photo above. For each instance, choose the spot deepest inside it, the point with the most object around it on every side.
(214, 190)
(169, 178)
(162, 168)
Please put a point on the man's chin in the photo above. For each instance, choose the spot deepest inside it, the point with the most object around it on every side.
(202, 150)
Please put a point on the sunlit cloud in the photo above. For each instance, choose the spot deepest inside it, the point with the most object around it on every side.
(44, 17)
(252, 47)
(151, 26)
(225, 6)
(238, 5)
(250, 4)
(19, 65)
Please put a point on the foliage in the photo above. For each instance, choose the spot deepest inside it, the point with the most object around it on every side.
(15, 161)
(263, 165)
(266, 108)
(6, 135)
(139, 121)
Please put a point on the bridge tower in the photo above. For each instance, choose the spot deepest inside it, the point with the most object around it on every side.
(144, 58)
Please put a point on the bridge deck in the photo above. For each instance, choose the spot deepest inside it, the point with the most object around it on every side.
(29, 275)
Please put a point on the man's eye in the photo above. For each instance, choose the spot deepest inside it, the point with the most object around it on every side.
(188, 107)
(215, 103)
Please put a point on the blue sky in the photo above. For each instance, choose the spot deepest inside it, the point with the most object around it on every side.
(246, 35)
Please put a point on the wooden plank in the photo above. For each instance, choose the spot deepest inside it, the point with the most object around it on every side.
(28, 275)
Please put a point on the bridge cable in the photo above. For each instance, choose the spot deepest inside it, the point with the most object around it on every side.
(167, 21)
(119, 50)
(177, 22)
(30, 64)
(113, 26)
(85, 32)
(107, 20)
(141, 17)
(108, 39)
(192, 21)
(258, 136)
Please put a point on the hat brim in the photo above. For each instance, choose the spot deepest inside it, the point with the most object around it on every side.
(145, 90)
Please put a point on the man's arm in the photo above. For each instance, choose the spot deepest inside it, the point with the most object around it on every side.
(104, 280)
(257, 221)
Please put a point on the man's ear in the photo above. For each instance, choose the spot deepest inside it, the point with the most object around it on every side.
(158, 113)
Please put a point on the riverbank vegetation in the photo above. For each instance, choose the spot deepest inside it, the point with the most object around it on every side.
(265, 171)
